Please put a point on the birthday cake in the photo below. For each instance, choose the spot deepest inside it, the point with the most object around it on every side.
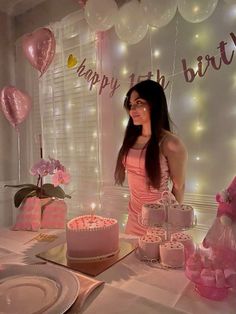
(92, 237)
(153, 214)
(149, 246)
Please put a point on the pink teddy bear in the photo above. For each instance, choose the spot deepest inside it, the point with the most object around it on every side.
(227, 204)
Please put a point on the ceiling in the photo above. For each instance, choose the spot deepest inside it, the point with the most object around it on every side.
(16, 7)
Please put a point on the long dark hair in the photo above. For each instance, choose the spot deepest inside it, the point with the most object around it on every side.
(153, 93)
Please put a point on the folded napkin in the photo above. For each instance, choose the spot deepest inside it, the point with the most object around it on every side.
(87, 286)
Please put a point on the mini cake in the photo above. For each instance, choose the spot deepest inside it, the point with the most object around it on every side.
(149, 246)
(91, 237)
(230, 276)
(193, 274)
(158, 232)
(220, 278)
(194, 262)
(172, 254)
(194, 266)
(153, 214)
(181, 216)
(207, 262)
(168, 201)
(186, 240)
(208, 277)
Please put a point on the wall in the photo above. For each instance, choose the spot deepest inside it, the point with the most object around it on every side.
(8, 136)
(199, 109)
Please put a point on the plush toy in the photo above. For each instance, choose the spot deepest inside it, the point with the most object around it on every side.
(221, 237)
(227, 204)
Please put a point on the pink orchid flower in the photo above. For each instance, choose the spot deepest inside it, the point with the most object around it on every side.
(60, 177)
(41, 168)
(56, 165)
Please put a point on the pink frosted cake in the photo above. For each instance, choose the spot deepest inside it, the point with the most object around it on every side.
(172, 254)
(91, 237)
(153, 214)
(158, 232)
(181, 216)
(186, 240)
(149, 246)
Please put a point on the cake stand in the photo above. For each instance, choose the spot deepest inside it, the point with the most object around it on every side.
(169, 228)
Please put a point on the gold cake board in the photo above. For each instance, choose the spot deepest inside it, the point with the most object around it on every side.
(58, 255)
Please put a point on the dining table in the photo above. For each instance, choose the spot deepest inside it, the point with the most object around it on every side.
(130, 286)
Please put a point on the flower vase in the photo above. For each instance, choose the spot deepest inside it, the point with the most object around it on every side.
(29, 215)
(53, 213)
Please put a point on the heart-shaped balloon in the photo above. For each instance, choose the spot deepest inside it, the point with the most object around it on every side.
(15, 104)
(39, 48)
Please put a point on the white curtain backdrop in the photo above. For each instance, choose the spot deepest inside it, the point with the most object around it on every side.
(65, 113)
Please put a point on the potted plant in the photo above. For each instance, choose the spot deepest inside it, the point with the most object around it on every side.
(42, 204)
(41, 169)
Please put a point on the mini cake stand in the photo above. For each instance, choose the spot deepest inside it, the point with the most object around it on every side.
(169, 230)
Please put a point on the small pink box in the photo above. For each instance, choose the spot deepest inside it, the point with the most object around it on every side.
(29, 216)
(54, 214)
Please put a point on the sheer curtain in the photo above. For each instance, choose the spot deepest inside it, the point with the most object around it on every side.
(65, 113)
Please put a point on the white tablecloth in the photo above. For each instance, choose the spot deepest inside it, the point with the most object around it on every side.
(131, 287)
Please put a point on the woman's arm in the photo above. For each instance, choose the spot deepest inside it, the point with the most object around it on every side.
(176, 154)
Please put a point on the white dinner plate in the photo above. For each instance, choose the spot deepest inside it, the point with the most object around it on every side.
(35, 289)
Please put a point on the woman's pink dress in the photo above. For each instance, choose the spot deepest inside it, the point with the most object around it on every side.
(140, 192)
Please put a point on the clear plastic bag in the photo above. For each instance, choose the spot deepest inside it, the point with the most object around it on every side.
(222, 240)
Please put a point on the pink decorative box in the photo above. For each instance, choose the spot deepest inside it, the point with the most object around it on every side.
(54, 214)
(29, 216)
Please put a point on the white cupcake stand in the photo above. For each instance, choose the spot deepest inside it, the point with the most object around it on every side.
(167, 201)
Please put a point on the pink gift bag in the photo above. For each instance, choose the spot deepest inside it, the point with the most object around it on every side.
(54, 214)
(29, 216)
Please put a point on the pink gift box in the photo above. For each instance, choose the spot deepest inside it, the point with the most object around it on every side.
(29, 216)
(54, 214)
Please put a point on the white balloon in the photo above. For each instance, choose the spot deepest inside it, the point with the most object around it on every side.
(131, 26)
(159, 13)
(101, 15)
(196, 11)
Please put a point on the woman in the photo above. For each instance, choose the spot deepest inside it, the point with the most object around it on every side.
(151, 155)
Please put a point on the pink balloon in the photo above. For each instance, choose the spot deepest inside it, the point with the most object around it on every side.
(39, 48)
(15, 104)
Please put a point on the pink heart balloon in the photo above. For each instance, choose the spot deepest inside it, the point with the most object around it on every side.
(15, 104)
(39, 48)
